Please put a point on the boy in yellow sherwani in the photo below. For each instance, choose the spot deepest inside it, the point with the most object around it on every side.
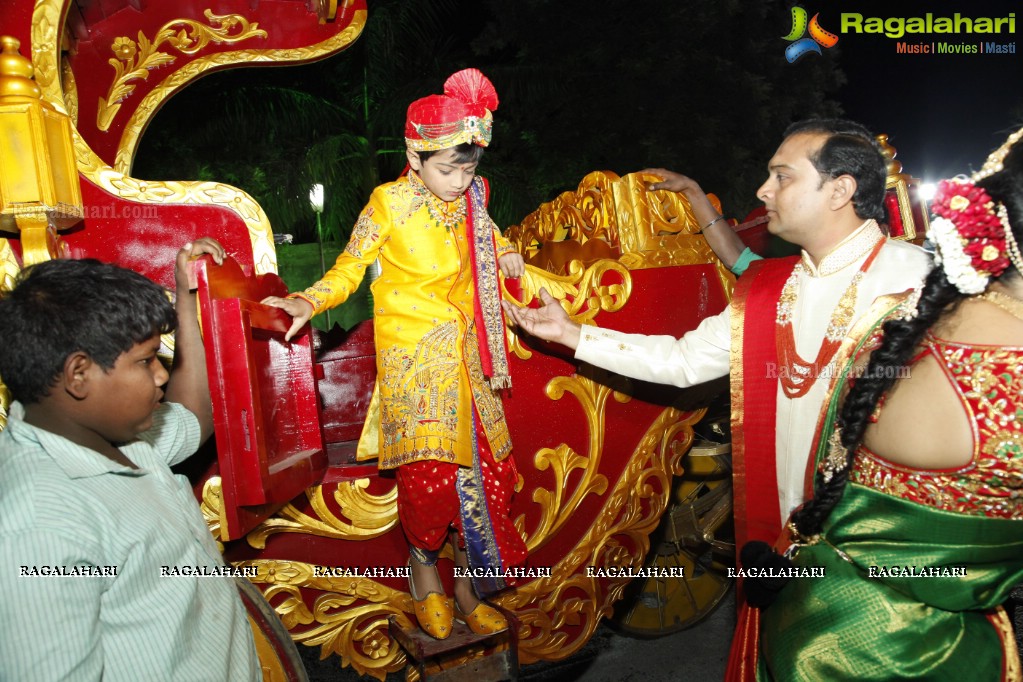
(441, 357)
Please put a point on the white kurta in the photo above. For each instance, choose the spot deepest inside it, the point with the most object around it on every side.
(703, 354)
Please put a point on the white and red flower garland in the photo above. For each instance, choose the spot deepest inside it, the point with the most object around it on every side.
(968, 234)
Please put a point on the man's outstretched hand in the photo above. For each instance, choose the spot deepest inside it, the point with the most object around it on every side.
(549, 322)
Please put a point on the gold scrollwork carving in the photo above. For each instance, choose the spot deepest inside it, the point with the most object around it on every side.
(134, 60)
(555, 509)
(617, 218)
(358, 634)
(212, 507)
(370, 515)
(578, 225)
(582, 291)
(617, 537)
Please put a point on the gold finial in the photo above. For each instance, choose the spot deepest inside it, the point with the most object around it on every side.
(39, 190)
(997, 158)
(16, 71)
(894, 167)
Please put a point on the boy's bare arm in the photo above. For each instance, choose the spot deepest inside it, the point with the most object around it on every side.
(188, 383)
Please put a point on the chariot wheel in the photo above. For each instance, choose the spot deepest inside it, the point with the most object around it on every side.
(696, 535)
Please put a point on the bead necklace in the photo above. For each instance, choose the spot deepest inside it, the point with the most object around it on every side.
(796, 374)
(1009, 304)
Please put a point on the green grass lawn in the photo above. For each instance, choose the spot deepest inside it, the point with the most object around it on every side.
(299, 266)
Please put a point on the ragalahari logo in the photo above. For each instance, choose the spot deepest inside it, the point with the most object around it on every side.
(801, 46)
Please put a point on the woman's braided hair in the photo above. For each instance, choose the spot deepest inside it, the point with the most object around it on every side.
(901, 337)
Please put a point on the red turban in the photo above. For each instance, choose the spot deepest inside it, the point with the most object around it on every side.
(460, 115)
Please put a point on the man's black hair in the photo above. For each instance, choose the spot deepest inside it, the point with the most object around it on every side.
(850, 150)
(60, 307)
(467, 152)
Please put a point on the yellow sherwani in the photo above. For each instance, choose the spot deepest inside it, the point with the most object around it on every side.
(429, 376)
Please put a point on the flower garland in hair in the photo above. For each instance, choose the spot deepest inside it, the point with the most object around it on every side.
(968, 234)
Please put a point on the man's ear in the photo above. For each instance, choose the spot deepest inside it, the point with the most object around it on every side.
(843, 188)
(77, 370)
(413, 160)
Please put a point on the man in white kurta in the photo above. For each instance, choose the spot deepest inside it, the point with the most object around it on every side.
(822, 212)
(703, 354)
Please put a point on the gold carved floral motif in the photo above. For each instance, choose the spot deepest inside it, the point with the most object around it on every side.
(133, 60)
(70, 87)
(147, 108)
(46, 18)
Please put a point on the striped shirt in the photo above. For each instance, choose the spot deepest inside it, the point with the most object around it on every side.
(85, 546)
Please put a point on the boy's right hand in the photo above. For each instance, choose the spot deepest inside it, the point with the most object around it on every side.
(299, 309)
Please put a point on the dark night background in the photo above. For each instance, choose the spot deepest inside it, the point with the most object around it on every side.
(699, 87)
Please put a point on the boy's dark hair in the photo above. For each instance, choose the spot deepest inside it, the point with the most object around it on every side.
(59, 307)
(467, 152)
(850, 150)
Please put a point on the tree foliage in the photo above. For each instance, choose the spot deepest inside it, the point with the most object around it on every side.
(702, 88)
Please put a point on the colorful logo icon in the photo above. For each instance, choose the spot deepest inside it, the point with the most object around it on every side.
(801, 46)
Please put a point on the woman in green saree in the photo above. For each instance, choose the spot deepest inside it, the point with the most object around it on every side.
(917, 508)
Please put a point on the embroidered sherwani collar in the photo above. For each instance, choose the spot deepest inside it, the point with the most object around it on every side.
(850, 250)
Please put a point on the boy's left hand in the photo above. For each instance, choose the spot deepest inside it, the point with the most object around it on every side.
(194, 249)
(512, 264)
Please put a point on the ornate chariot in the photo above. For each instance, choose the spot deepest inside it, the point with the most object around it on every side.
(606, 464)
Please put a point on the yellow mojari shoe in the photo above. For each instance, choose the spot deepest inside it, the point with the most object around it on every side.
(484, 619)
(434, 612)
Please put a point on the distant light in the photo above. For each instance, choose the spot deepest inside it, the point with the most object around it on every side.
(316, 198)
(927, 190)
